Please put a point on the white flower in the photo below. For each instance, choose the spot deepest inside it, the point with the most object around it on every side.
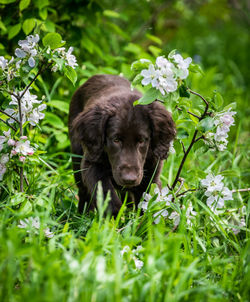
(213, 183)
(240, 224)
(4, 159)
(37, 115)
(48, 233)
(167, 84)
(150, 76)
(138, 263)
(2, 170)
(163, 195)
(162, 213)
(28, 49)
(71, 59)
(3, 63)
(23, 147)
(183, 65)
(190, 213)
(31, 222)
(171, 147)
(176, 218)
(125, 250)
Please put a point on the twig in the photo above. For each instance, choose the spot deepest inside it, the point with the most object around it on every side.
(193, 141)
(241, 190)
(181, 180)
(197, 139)
(13, 128)
(41, 69)
(198, 117)
(9, 116)
(183, 193)
(183, 147)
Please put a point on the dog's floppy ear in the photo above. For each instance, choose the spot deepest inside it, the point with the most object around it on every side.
(163, 130)
(89, 128)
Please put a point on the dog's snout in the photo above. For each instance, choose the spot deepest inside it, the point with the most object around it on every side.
(129, 178)
(129, 175)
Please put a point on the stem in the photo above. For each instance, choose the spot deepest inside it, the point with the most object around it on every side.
(193, 141)
(9, 116)
(8, 124)
(241, 190)
(198, 117)
(41, 69)
(184, 159)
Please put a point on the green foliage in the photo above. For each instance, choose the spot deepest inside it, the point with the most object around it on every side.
(82, 262)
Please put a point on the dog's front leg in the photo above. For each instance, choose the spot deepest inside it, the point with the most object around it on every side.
(91, 174)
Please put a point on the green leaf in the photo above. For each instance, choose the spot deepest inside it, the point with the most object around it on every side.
(173, 52)
(154, 39)
(182, 133)
(140, 64)
(155, 50)
(14, 30)
(111, 14)
(53, 40)
(206, 124)
(28, 25)
(196, 68)
(24, 4)
(137, 80)
(218, 100)
(53, 120)
(134, 48)
(43, 13)
(42, 3)
(231, 105)
(149, 97)
(71, 74)
(231, 173)
(183, 90)
(7, 1)
(61, 105)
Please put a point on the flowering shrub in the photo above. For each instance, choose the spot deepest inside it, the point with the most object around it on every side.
(166, 82)
(22, 109)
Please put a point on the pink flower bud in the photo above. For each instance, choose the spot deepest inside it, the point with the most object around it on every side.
(23, 137)
(31, 153)
(13, 152)
(22, 158)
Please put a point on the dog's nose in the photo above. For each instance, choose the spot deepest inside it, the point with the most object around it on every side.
(129, 178)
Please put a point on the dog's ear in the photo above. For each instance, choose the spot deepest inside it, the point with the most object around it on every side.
(89, 129)
(163, 130)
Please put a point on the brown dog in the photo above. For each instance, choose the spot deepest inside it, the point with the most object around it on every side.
(121, 145)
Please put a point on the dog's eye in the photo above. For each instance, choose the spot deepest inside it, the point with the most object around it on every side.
(116, 140)
(142, 140)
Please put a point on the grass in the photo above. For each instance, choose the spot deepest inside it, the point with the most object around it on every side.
(83, 261)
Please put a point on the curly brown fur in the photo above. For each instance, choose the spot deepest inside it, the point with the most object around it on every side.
(119, 144)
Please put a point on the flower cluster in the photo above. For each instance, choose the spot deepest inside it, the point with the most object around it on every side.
(164, 75)
(65, 55)
(32, 223)
(30, 113)
(216, 192)
(135, 253)
(166, 198)
(223, 121)
(28, 49)
(11, 148)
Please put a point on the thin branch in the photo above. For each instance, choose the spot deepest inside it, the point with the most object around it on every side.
(181, 180)
(184, 159)
(183, 193)
(41, 69)
(9, 116)
(183, 147)
(193, 141)
(13, 128)
(198, 117)
(197, 139)
(241, 190)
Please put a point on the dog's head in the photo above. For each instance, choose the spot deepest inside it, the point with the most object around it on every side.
(127, 134)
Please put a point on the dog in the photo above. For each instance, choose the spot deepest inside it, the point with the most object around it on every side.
(117, 143)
